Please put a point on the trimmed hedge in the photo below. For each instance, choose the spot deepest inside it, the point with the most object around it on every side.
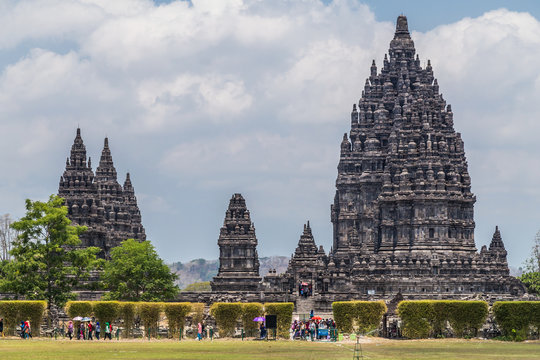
(15, 311)
(176, 316)
(284, 316)
(366, 316)
(516, 317)
(426, 318)
(369, 315)
(226, 316)
(9, 310)
(416, 317)
(344, 312)
(197, 313)
(149, 313)
(249, 312)
(79, 308)
(466, 317)
(127, 311)
(106, 311)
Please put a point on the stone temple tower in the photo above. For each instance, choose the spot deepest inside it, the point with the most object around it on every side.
(403, 184)
(238, 258)
(98, 201)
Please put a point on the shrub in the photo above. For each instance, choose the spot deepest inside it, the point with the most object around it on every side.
(197, 313)
(344, 313)
(416, 317)
(226, 315)
(79, 308)
(15, 311)
(466, 317)
(106, 311)
(9, 310)
(149, 313)
(127, 311)
(368, 315)
(32, 311)
(284, 316)
(176, 314)
(515, 317)
(429, 317)
(364, 315)
(249, 312)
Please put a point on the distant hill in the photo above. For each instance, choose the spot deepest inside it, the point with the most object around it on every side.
(200, 270)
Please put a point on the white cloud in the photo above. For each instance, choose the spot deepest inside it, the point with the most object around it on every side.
(205, 98)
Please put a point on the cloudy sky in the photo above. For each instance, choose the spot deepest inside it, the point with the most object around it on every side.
(205, 98)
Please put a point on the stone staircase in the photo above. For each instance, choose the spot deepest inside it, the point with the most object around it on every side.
(304, 305)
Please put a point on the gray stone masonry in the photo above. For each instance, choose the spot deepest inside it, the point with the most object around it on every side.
(98, 201)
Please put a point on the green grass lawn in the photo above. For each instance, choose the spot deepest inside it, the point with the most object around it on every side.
(236, 349)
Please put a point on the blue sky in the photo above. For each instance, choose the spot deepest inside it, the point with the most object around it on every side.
(206, 99)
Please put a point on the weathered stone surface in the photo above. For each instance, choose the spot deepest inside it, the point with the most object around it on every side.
(403, 211)
(403, 215)
(238, 259)
(99, 202)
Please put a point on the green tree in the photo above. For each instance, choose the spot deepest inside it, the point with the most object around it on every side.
(531, 275)
(136, 273)
(47, 263)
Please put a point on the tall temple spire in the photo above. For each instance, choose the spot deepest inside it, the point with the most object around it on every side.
(128, 187)
(402, 27)
(496, 241)
(238, 259)
(106, 165)
(401, 46)
(306, 244)
(404, 134)
(109, 211)
(77, 159)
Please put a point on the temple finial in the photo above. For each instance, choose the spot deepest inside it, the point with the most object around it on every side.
(401, 25)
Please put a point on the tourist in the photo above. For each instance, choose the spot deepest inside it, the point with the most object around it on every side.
(81, 332)
(107, 331)
(312, 329)
(70, 329)
(199, 331)
(262, 329)
(22, 329)
(98, 330)
(2, 327)
(90, 329)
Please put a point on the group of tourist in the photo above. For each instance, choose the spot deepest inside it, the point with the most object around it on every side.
(26, 331)
(314, 328)
(87, 331)
(305, 289)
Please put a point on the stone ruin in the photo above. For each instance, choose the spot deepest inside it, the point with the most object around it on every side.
(403, 213)
(98, 201)
(238, 259)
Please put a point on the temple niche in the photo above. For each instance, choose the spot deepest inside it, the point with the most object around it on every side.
(98, 201)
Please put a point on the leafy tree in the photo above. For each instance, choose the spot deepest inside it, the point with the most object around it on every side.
(46, 263)
(136, 273)
(532, 281)
(531, 275)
